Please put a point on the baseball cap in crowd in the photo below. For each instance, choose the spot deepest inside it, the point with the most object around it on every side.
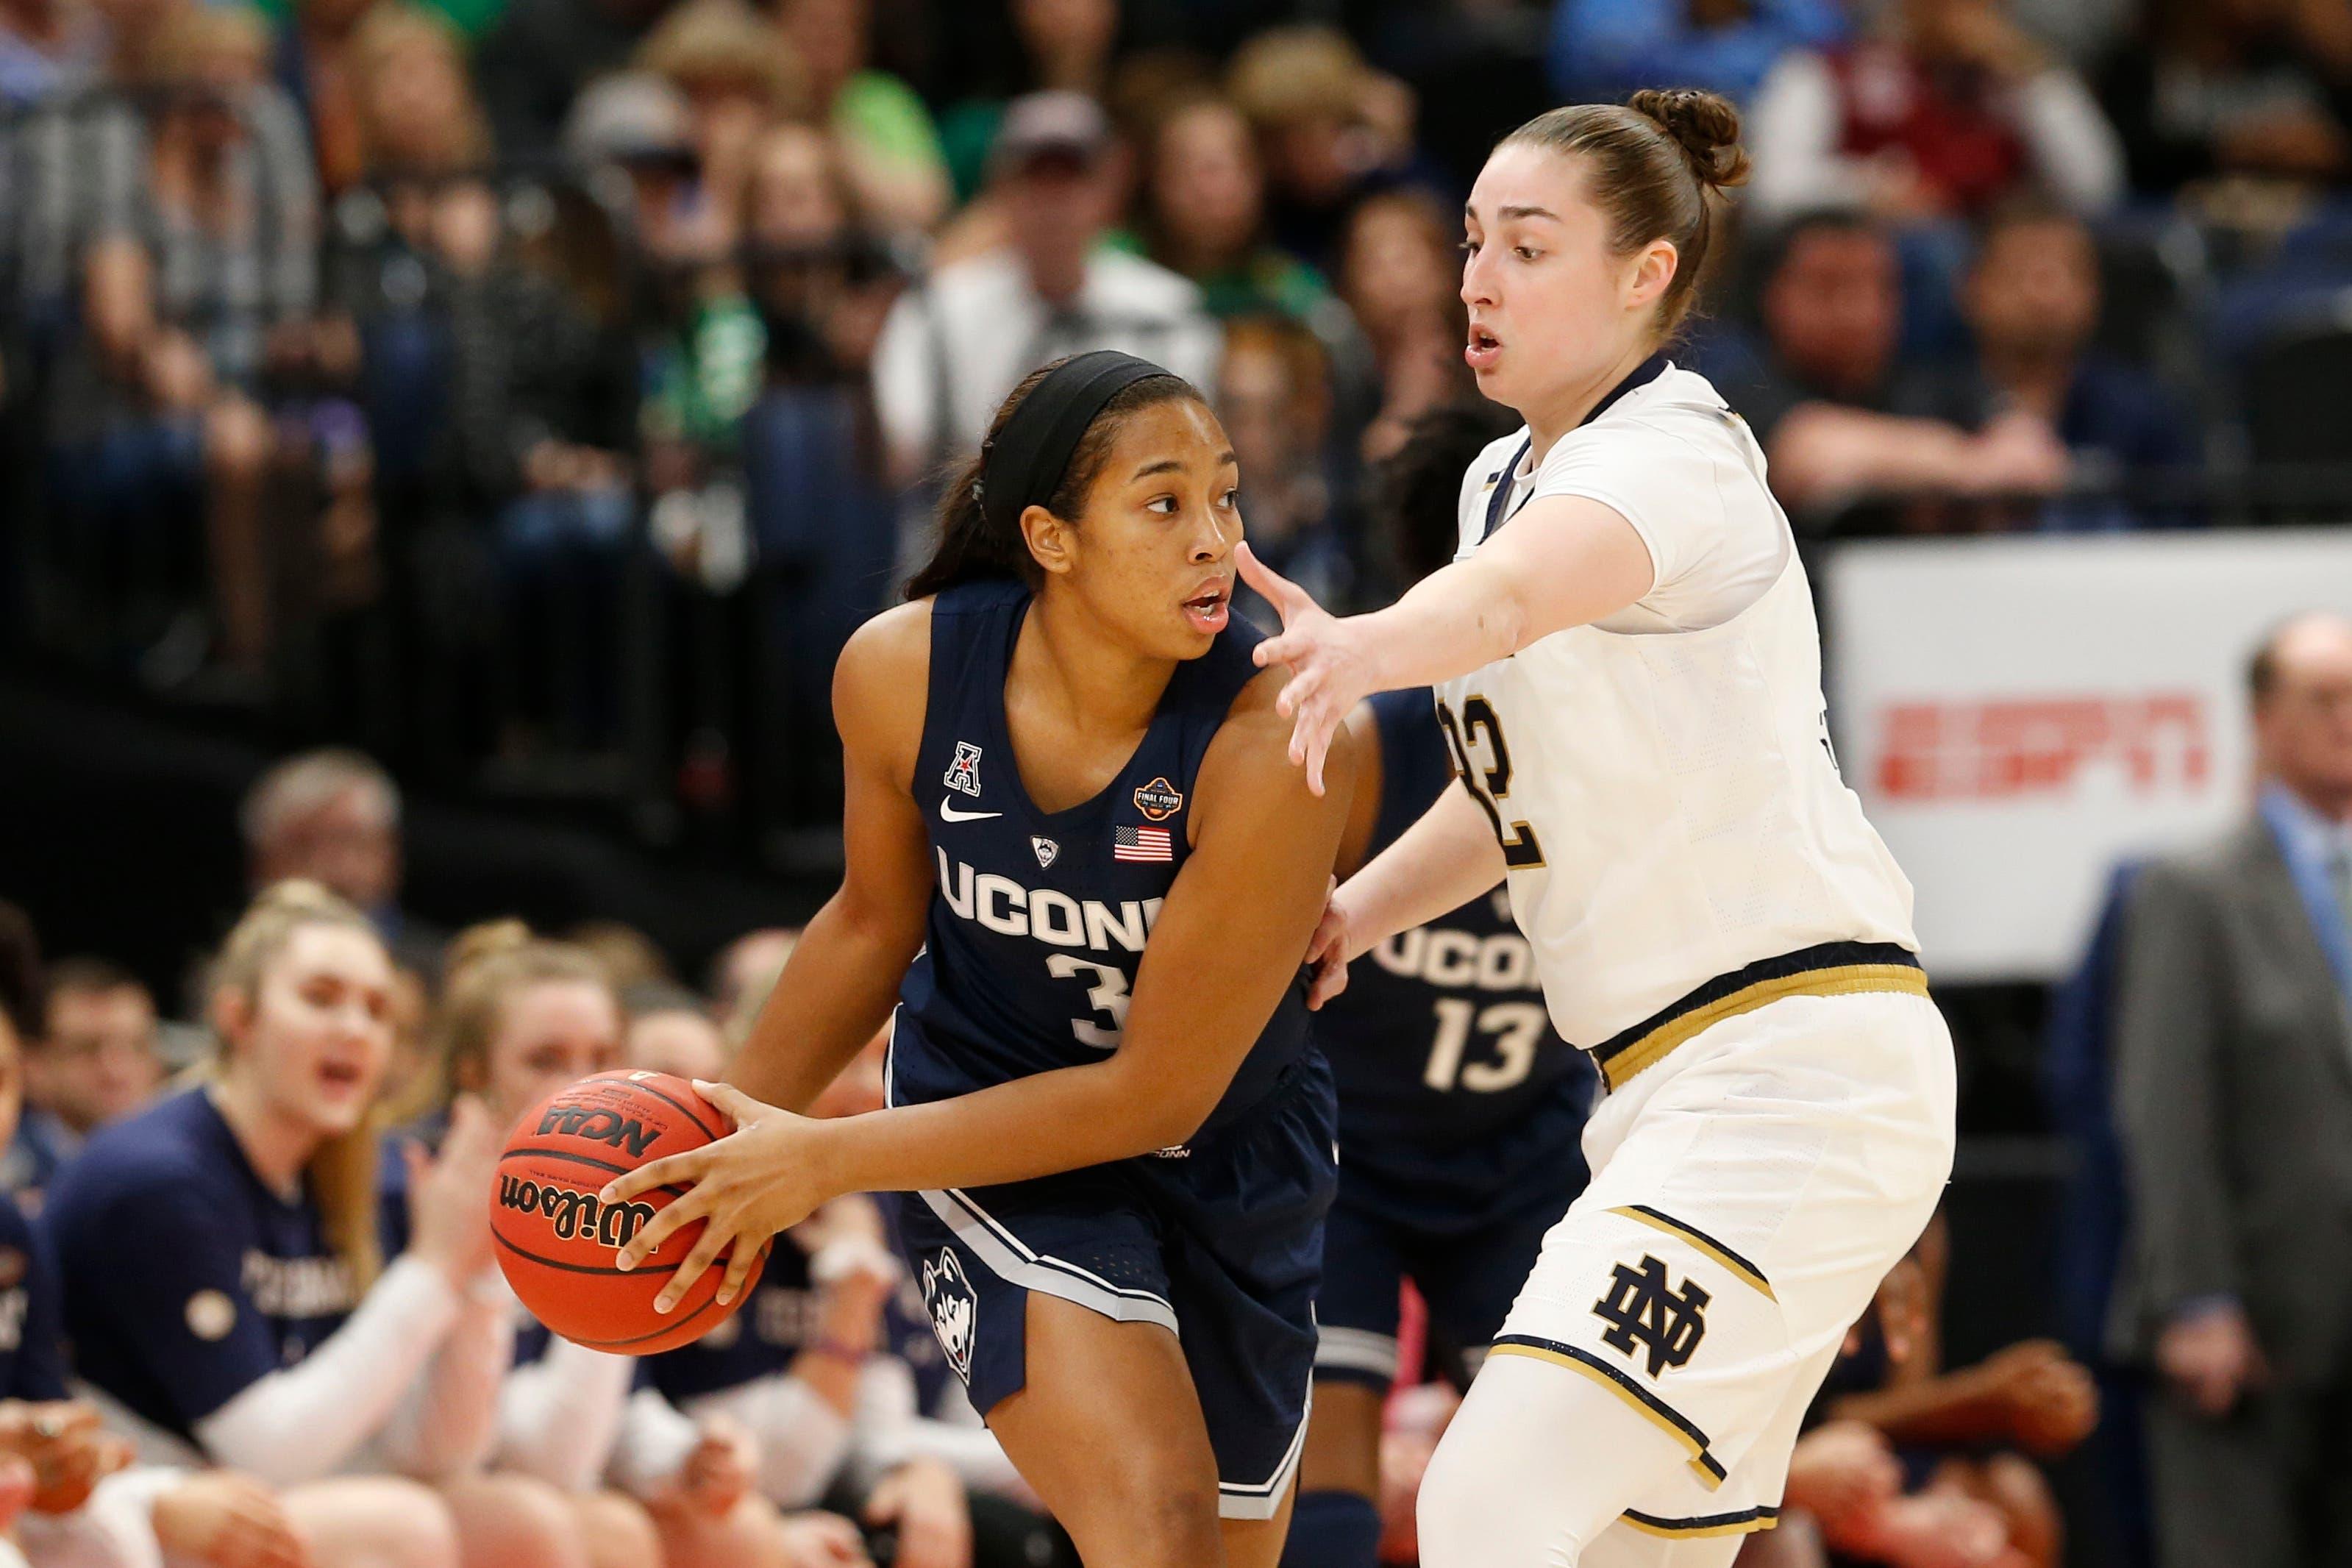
(1060, 126)
(634, 116)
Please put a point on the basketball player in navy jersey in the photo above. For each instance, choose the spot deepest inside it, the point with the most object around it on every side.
(1070, 793)
(1460, 1106)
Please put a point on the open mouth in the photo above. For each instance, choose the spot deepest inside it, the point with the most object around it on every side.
(1207, 609)
(341, 1078)
(1483, 349)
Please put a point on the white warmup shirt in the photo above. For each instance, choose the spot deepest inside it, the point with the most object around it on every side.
(1663, 780)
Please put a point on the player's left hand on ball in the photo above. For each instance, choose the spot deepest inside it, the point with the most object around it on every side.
(925, 1501)
(1328, 671)
(757, 1181)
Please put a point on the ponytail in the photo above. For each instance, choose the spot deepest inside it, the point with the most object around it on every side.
(969, 549)
(978, 541)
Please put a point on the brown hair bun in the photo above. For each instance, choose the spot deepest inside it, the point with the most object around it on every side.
(1704, 125)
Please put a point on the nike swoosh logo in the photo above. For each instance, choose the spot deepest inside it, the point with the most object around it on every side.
(950, 813)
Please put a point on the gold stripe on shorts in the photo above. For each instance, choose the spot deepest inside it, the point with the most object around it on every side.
(1749, 1274)
(1746, 1522)
(1639, 1400)
(1842, 980)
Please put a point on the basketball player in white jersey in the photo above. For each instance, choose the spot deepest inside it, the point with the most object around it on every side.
(1627, 674)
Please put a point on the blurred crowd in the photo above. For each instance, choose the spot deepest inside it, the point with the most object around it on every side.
(554, 363)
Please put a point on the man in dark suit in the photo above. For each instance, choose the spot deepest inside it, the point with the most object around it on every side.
(2234, 1045)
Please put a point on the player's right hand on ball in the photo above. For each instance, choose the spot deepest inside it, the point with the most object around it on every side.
(449, 1214)
(1327, 952)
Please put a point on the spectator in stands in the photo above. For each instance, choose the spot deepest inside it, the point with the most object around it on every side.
(2259, 88)
(740, 76)
(744, 972)
(953, 345)
(223, 1288)
(1604, 50)
(48, 49)
(313, 64)
(627, 955)
(885, 134)
(1950, 108)
(2032, 300)
(1971, 1428)
(1400, 274)
(511, 408)
(542, 52)
(1204, 216)
(1824, 400)
(199, 278)
(1064, 46)
(94, 1061)
(2232, 1034)
(1274, 397)
(1331, 129)
(332, 817)
(519, 1018)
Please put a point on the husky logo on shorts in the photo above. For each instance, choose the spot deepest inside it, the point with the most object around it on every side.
(954, 1309)
(1642, 1311)
(963, 774)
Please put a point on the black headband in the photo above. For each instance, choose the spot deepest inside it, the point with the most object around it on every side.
(1022, 466)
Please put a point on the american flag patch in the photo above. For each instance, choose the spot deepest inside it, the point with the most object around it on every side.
(1143, 844)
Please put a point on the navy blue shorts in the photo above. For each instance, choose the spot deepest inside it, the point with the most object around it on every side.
(1223, 1245)
(1467, 1267)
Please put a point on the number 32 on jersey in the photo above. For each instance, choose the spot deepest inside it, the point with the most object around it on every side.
(1489, 782)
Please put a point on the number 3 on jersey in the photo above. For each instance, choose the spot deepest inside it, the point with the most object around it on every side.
(1106, 995)
(1521, 851)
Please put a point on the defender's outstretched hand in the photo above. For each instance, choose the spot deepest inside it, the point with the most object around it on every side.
(747, 1186)
(1329, 669)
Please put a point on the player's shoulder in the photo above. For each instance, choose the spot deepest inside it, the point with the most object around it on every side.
(1678, 407)
(165, 1149)
(887, 656)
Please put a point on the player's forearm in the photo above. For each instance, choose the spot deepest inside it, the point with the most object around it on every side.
(1455, 620)
(1440, 863)
(1956, 1407)
(835, 991)
(1014, 1132)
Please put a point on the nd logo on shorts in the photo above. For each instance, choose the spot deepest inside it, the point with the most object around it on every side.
(1642, 1314)
(955, 1311)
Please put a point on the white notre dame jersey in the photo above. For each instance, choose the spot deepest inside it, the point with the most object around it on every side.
(1663, 782)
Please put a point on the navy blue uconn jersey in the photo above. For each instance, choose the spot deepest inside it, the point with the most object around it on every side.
(32, 1353)
(1443, 1051)
(1040, 919)
(186, 1278)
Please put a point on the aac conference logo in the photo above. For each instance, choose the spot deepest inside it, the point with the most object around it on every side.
(2003, 747)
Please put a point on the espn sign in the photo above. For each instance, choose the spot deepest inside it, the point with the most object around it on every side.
(2002, 747)
(2019, 713)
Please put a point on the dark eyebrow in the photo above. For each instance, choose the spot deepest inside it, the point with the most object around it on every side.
(1172, 466)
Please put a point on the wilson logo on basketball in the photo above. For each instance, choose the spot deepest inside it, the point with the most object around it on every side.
(572, 1213)
(599, 1125)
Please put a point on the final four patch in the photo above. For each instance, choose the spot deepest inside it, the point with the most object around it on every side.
(1158, 800)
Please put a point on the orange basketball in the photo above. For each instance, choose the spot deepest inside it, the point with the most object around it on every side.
(556, 1239)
